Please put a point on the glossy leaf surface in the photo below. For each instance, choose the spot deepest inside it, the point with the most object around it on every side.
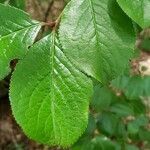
(17, 33)
(49, 96)
(95, 39)
(138, 10)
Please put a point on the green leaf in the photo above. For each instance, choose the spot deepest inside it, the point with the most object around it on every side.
(91, 126)
(121, 130)
(111, 125)
(107, 123)
(134, 126)
(18, 3)
(103, 143)
(138, 10)
(97, 143)
(17, 33)
(145, 45)
(95, 39)
(84, 144)
(49, 95)
(138, 107)
(2, 1)
(133, 87)
(122, 109)
(102, 98)
(131, 147)
(144, 134)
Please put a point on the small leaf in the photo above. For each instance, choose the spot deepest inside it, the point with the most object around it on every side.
(145, 45)
(17, 33)
(97, 143)
(95, 39)
(83, 144)
(134, 126)
(138, 106)
(138, 10)
(102, 98)
(91, 126)
(111, 125)
(133, 87)
(107, 123)
(122, 109)
(131, 147)
(49, 95)
(103, 143)
(144, 134)
(121, 130)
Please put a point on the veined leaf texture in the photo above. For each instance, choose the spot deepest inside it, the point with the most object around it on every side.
(50, 94)
(17, 33)
(51, 86)
(97, 37)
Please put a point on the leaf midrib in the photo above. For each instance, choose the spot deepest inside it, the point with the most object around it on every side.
(95, 28)
(52, 54)
(94, 20)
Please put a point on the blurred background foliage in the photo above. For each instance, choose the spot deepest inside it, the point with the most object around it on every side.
(119, 115)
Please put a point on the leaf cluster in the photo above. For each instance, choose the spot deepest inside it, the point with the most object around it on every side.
(81, 66)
